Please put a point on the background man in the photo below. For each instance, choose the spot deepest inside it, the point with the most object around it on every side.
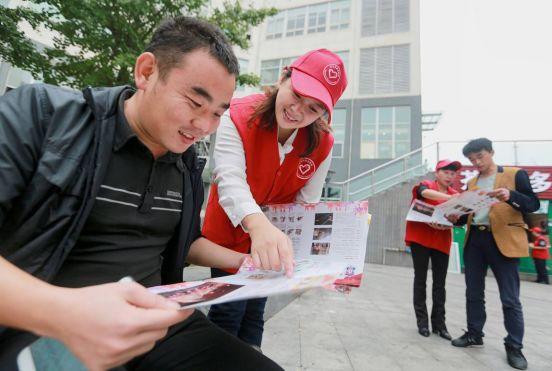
(496, 237)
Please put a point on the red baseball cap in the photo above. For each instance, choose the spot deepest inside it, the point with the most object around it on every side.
(444, 163)
(536, 230)
(320, 75)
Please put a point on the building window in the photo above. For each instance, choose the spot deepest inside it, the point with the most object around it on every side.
(244, 68)
(385, 16)
(317, 18)
(338, 125)
(292, 22)
(385, 70)
(385, 132)
(295, 21)
(344, 55)
(339, 14)
(271, 69)
(275, 26)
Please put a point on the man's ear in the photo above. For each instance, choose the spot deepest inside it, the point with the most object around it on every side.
(144, 68)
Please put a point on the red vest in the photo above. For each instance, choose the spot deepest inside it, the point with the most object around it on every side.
(269, 182)
(423, 234)
(540, 253)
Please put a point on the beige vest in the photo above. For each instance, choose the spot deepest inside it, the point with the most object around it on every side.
(507, 224)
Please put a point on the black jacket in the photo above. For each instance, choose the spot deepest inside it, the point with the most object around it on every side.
(55, 145)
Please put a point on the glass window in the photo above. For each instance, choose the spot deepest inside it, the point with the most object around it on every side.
(402, 115)
(385, 149)
(270, 71)
(275, 26)
(344, 55)
(339, 14)
(385, 132)
(338, 125)
(317, 18)
(295, 21)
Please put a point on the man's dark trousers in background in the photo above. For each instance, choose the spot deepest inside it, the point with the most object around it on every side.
(480, 253)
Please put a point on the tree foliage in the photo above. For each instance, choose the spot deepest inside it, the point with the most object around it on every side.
(95, 42)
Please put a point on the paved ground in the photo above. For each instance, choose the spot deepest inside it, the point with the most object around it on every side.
(374, 328)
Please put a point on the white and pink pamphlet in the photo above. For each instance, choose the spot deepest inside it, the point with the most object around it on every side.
(465, 203)
(329, 242)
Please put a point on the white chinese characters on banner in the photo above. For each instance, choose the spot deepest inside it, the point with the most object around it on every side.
(467, 175)
(539, 181)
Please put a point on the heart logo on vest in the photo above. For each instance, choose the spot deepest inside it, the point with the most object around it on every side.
(332, 74)
(305, 168)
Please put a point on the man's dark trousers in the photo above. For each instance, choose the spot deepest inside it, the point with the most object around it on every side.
(480, 253)
(243, 319)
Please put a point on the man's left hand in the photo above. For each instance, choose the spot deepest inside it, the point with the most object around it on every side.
(502, 194)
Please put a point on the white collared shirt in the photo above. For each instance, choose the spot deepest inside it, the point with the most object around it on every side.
(229, 173)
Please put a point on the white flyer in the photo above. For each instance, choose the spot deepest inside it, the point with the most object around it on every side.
(327, 232)
(465, 203)
(329, 241)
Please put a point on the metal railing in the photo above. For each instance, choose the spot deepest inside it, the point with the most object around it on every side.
(422, 160)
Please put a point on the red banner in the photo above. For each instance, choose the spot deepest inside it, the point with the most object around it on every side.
(540, 176)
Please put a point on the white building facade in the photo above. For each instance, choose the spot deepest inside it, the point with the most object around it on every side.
(379, 116)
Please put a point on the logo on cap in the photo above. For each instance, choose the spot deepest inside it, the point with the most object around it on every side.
(332, 74)
(305, 168)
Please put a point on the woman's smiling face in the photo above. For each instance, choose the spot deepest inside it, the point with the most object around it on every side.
(294, 111)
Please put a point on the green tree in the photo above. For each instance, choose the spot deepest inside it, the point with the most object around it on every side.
(95, 42)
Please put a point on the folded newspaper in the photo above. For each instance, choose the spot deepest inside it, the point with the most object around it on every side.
(465, 203)
(329, 242)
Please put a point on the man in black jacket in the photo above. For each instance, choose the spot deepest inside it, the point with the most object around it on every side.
(100, 185)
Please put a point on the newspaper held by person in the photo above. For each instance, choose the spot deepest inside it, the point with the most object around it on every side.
(465, 203)
(329, 241)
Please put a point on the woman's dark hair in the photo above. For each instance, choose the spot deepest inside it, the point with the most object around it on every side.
(477, 145)
(180, 35)
(265, 112)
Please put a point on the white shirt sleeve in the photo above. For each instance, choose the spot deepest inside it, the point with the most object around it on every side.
(229, 173)
(311, 192)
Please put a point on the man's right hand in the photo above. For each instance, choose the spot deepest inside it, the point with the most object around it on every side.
(108, 325)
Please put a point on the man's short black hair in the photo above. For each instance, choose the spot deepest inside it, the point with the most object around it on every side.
(477, 145)
(180, 35)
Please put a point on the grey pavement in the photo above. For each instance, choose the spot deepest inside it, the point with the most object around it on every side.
(374, 328)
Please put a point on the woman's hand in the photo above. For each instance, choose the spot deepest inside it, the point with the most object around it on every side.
(271, 249)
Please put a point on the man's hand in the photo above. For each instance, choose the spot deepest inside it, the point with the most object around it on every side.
(270, 248)
(108, 325)
(502, 194)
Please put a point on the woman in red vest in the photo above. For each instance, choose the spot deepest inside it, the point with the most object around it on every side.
(271, 148)
(430, 241)
(540, 254)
